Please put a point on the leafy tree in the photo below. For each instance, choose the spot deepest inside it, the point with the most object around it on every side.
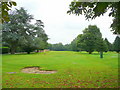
(49, 46)
(101, 46)
(29, 47)
(57, 47)
(87, 41)
(6, 6)
(74, 45)
(67, 47)
(109, 45)
(36, 40)
(116, 44)
(18, 32)
(41, 37)
(79, 41)
(91, 10)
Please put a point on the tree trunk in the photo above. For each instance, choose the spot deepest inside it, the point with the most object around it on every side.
(101, 54)
(90, 52)
(12, 51)
(28, 52)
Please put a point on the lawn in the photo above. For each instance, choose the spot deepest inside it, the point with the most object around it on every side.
(74, 70)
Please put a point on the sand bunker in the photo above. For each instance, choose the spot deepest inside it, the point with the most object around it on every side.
(37, 70)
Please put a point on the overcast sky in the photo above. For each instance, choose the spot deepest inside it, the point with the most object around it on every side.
(60, 26)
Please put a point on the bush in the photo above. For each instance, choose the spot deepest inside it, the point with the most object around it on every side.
(4, 50)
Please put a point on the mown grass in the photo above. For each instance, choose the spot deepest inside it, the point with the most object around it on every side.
(74, 70)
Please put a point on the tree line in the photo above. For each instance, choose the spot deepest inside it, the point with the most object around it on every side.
(91, 40)
(20, 35)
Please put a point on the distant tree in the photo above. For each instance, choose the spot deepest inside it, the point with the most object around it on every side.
(91, 10)
(67, 47)
(80, 43)
(89, 38)
(116, 44)
(74, 45)
(101, 47)
(108, 44)
(111, 47)
(6, 6)
(56, 47)
(49, 46)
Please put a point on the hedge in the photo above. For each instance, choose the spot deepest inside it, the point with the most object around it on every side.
(4, 50)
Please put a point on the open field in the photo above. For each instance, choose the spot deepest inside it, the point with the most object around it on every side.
(74, 70)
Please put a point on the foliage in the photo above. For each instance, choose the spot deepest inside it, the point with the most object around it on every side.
(19, 32)
(101, 46)
(91, 10)
(56, 47)
(74, 45)
(38, 40)
(88, 41)
(6, 6)
(15, 31)
(68, 47)
(109, 45)
(116, 44)
(4, 50)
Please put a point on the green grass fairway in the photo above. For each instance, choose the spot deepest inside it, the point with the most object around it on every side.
(74, 70)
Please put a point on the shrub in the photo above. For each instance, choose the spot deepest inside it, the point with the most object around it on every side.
(4, 50)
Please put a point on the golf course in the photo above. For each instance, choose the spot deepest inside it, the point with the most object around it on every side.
(73, 70)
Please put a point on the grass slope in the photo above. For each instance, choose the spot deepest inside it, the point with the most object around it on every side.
(74, 70)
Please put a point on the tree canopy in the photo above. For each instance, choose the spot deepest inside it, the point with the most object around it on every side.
(91, 40)
(91, 10)
(116, 44)
(109, 45)
(19, 32)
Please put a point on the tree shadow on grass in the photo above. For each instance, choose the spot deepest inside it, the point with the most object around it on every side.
(32, 53)
(86, 53)
(24, 53)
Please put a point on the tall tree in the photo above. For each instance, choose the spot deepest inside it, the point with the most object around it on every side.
(74, 45)
(79, 43)
(109, 45)
(41, 37)
(116, 44)
(101, 47)
(91, 10)
(18, 32)
(87, 41)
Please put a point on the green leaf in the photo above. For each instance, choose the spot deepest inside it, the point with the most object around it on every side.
(10, 4)
(14, 3)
